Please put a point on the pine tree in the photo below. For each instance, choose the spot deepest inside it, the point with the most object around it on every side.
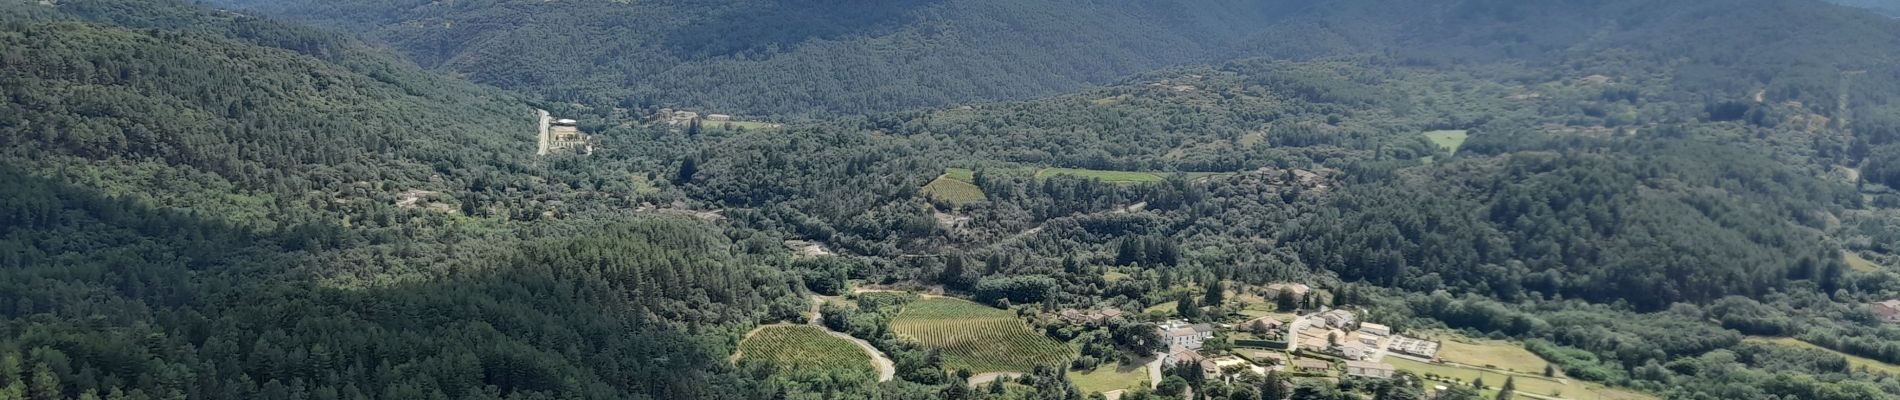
(688, 168)
(1216, 294)
(1509, 390)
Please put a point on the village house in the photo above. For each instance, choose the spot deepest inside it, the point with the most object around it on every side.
(1276, 359)
(1369, 339)
(1376, 329)
(1338, 318)
(1091, 318)
(1184, 335)
(1369, 369)
(1261, 325)
(1309, 365)
(1888, 311)
(1180, 355)
(718, 117)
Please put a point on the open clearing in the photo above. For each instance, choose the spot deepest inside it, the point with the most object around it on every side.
(1527, 383)
(1110, 377)
(978, 338)
(954, 191)
(961, 174)
(1852, 360)
(1491, 354)
(1855, 261)
(802, 347)
(1450, 140)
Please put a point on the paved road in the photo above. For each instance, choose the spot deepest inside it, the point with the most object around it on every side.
(886, 370)
(1293, 333)
(542, 135)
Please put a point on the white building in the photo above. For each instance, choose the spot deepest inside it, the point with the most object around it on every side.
(1184, 335)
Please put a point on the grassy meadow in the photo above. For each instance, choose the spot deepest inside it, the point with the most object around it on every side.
(1450, 140)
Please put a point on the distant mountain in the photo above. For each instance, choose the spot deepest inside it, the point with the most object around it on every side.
(1885, 7)
(810, 58)
(796, 58)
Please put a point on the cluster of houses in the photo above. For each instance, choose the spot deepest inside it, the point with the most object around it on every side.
(561, 135)
(682, 118)
(1333, 332)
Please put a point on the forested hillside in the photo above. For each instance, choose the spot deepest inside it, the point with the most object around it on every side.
(830, 58)
(793, 58)
(199, 204)
(206, 204)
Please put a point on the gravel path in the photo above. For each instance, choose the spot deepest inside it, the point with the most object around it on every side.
(986, 377)
(886, 370)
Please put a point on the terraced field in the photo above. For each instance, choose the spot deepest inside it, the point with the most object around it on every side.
(978, 338)
(803, 347)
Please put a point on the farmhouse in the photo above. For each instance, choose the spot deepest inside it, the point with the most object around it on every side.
(718, 117)
(1353, 351)
(1888, 311)
(1183, 335)
(1369, 369)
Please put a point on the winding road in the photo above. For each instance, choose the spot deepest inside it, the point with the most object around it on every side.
(886, 370)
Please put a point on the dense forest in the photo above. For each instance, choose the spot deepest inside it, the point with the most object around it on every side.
(781, 59)
(205, 204)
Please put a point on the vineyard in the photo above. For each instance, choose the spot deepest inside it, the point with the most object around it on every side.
(978, 338)
(801, 347)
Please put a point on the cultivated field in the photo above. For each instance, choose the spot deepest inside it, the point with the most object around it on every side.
(803, 347)
(1450, 140)
(978, 338)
